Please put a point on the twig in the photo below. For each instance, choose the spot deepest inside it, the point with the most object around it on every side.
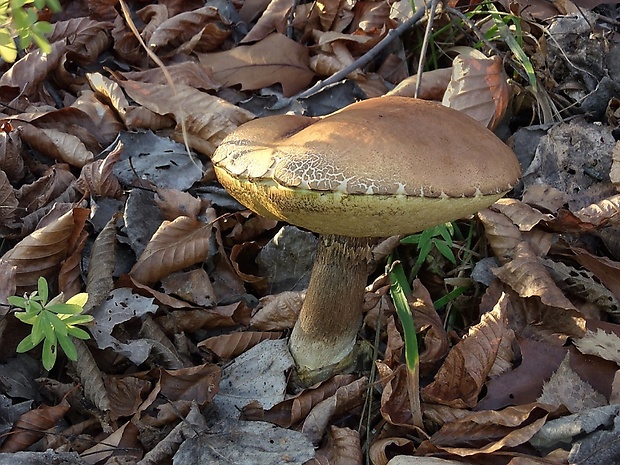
(363, 60)
(427, 38)
(289, 20)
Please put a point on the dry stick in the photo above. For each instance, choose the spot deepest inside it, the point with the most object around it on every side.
(364, 59)
(427, 38)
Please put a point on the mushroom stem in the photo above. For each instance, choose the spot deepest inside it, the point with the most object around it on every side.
(331, 315)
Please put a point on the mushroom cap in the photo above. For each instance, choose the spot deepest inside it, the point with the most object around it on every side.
(379, 167)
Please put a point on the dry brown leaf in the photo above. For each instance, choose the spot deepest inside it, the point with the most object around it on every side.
(205, 27)
(614, 172)
(88, 38)
(278, 312)
(228, 346)
(188, 73)
(272, 19)
(208, 119)
(432, 87)
(198, 383)
(71, 148)
(175, 245)
(11, 161)
(478, 88)
(190, 321)
(528, 277)
(486, 431)
(600, 343)
(8, 204)
(107, 122)
(502, 234)
(344, 399)
(38, 140)
(98, 179)
(606, 270)
(91, 378)
(110, 91)
(602, 212)
(124, 438)
(174, 203)
(461, 377)
(545, 197)
(427, 321)
(395, 404)
(275, 59)
(566, 388)
(152, 16)
(378, 448)
(342, 448)
(126, 394)
(521, 214)
(32, 425)
(294, 410)
(41, 253)
(99, 281)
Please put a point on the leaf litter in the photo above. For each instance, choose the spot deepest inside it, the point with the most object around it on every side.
(193, 296)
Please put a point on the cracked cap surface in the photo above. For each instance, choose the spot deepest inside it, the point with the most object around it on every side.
(383, 166)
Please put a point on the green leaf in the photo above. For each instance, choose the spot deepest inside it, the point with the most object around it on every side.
(47, 327)
(43, 289)
(60, 327)
(68, 347)
(399, 290)
(54, 5)
(37, 330)
(445, 250)
(65, 309)
(17, 301)
(79, 299)
(26, 344)
(49, 353)
(78, 333)
(77, 320)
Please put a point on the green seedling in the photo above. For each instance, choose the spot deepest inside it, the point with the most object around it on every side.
(20, 26)
(439, 237)
(53, 322)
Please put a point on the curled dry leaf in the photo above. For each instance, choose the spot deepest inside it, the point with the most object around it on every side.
(99, 281)
(98, 177)
(502, 234)
(124, 438)
(32, 425)
(8, 204)
(478, 88)
(230, 345)
(428, 321)
(11, 161)
(464, 372)
(342, 448)
(71, 149)
(294, 410)
(208, 119)
(432, 87)
(528, 277)
(278, 312)
(91, 377)
(38, 140)
(41, 252)
(521, 214)
(565, 387)
(89, 38)
(107, 122)
(272, 19)
(545, 197)
(206, 23)
(377, 453)
(395, 404)
(275, 59)
(486, 432)
(188, 73)
(602, 212)
(344, 399)
(176, 245)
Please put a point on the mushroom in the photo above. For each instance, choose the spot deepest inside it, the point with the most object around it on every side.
(379, 167)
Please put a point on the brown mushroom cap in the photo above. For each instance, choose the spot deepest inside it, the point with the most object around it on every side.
(383, 166)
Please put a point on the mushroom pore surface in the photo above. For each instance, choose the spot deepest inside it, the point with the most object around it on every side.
(379, 167)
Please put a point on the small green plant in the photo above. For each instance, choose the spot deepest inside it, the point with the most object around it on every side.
(53, 322)
(19, 19)
(439, 237)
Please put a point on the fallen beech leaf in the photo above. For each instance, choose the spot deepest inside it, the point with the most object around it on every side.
(378, 455)
(292, 411)
(11, 161)
(342, 448)
(600, 343)
(464, 372)
(278, 312)
(478, 88)
(176, 245)
(71, 149)
(433, 86)
(41, 253)
(274, 59)
(528, 277)
(428, 321)
(32, 425)
(188, 73)
(198, 383)
(91, 377)
(230, 345)
(208, 119)
(273, 18)
(98, 177)
(566, 388)
(521, 214)
(502, 234)
(124, 438)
